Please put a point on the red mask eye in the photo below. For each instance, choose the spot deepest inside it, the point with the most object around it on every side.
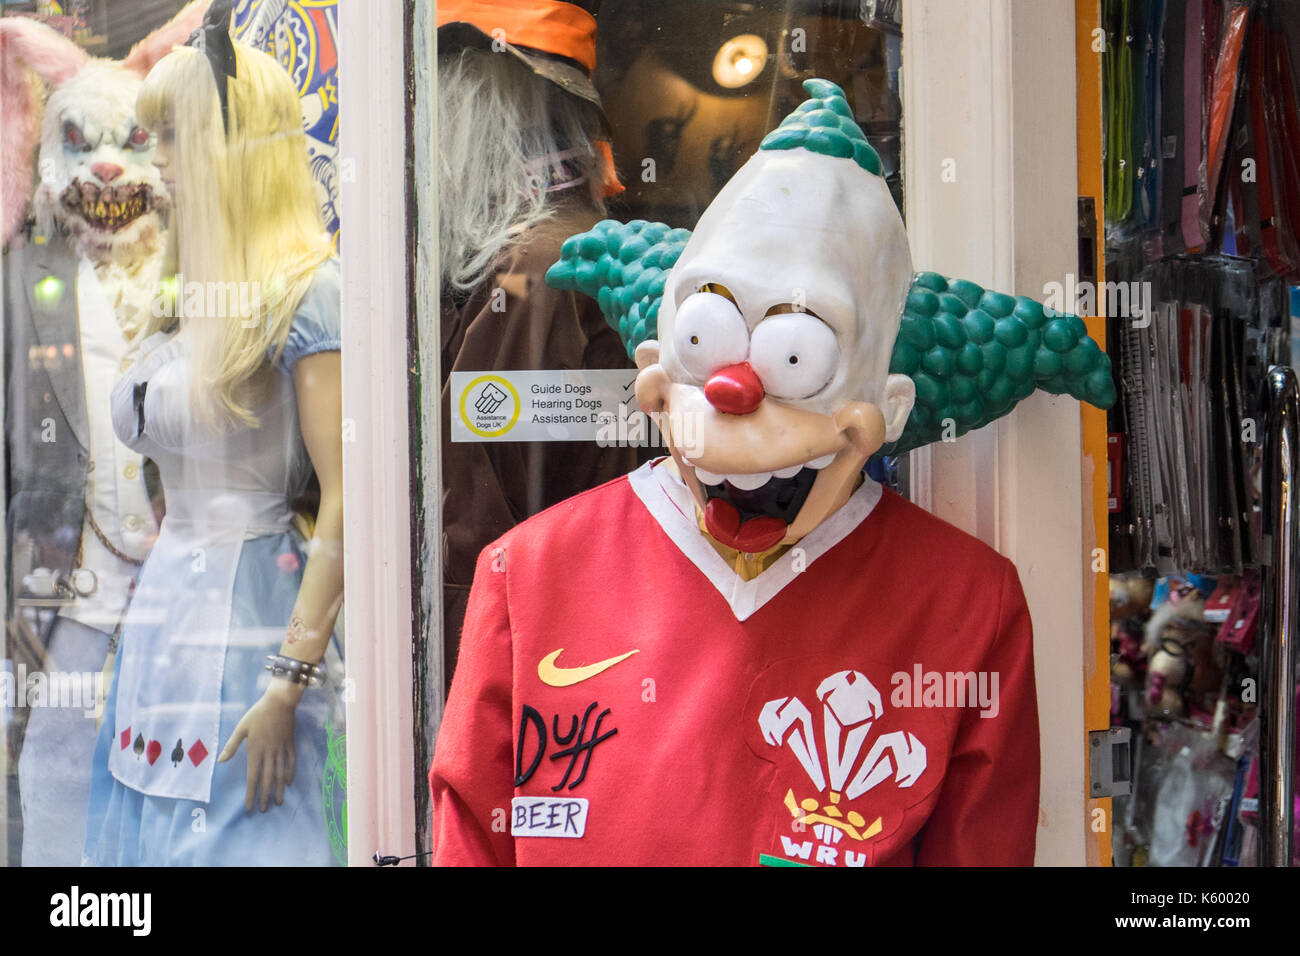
(72, 137)
(139, 137)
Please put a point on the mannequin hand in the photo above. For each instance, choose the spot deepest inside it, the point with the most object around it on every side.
(272, 758)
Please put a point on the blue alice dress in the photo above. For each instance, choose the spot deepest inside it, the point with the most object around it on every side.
(213, 599)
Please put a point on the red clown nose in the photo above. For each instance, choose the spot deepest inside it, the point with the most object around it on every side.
(735, 389)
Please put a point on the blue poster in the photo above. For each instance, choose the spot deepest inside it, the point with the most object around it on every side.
(302, 35)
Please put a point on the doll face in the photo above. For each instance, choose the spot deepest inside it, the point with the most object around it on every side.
(776, 331)
(97, 173)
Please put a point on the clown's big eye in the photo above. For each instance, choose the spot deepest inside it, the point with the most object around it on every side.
(709, 334)
(139, 137)
(72, 137)
(794, 354)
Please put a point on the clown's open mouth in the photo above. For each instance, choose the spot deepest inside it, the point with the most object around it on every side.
(752, 513)
(111, 208)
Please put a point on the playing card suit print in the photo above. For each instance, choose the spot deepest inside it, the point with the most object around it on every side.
(154, 752)
(178, 754)
(198, 753)
(126, 738)
(138, 748)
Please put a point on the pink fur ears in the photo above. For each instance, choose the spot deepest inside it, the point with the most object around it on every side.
(26, 44)
(158, 44)
(29, 45)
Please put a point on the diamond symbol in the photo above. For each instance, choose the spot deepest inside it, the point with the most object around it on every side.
(126, 738)
(198, 753)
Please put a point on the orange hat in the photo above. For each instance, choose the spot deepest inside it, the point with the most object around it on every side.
(555, 39)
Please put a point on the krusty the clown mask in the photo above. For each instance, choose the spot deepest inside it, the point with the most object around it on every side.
(786, 341)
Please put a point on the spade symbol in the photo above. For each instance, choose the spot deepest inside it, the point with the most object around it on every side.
(138, 746)
(178, 755)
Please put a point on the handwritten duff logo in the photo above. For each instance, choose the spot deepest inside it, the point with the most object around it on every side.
(850, 705)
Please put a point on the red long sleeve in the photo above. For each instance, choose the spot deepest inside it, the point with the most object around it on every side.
(472, 770)
(987, 812)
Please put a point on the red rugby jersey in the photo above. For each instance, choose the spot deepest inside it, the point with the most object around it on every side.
(875, 706)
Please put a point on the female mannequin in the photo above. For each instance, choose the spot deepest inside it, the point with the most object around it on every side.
(204, 756)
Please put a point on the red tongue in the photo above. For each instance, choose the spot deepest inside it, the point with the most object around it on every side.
(755, 535)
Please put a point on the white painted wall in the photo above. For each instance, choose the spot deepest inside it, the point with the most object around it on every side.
(990, 84)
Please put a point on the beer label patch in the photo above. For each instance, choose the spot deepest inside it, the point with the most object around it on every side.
(848, 764)
(548, 817)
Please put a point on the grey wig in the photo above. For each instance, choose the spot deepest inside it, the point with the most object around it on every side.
(495, 117)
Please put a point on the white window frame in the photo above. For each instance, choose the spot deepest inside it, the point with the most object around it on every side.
(378, 612)
(991, 86)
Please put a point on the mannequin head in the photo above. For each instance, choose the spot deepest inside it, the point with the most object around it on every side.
(98, 179)
(247, 235)
(776, 330)
(97, 182)
(501, 176)
(786, 341)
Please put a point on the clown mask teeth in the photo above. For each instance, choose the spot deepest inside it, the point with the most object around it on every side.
(756, 480)
(708, 477)
(750, 482)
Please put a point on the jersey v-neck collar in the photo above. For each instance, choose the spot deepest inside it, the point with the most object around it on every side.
(671, 504)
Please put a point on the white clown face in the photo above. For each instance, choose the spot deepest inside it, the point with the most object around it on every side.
(97, 174)
(776, 330)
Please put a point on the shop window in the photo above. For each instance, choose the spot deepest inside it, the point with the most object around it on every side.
(538, 139)
(173, 559)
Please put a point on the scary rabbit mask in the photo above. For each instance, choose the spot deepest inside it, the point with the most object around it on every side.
(96, 178)
(786, 341)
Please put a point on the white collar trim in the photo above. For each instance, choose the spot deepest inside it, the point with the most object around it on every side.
(672, 505)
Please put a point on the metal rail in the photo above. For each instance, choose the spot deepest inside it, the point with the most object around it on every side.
(1281, 606)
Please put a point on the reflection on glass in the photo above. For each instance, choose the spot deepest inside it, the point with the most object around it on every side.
(173, 473)
(691, 88)
(523, 163)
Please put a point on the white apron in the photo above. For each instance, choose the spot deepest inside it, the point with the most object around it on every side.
(221, 490)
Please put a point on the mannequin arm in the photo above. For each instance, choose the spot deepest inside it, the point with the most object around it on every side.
(317, 381)
(268, 725)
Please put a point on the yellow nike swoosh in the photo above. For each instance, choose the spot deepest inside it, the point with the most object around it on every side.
(568, 676)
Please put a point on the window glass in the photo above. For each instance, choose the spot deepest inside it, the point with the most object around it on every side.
(540, 136)
(173, 671)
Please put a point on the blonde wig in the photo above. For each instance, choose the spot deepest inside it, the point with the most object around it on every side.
(498, 124)
(246, 229)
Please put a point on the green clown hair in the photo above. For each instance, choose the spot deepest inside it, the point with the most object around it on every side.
(973, 354)
(824, 124)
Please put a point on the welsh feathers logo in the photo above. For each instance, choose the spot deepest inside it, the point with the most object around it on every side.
(837, 768)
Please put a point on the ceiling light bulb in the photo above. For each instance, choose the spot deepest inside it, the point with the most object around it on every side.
(739, 61)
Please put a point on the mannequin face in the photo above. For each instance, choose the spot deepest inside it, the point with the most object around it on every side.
(777, 326)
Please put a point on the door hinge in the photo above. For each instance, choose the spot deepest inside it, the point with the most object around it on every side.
(1088, 260)
(1110, 762)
